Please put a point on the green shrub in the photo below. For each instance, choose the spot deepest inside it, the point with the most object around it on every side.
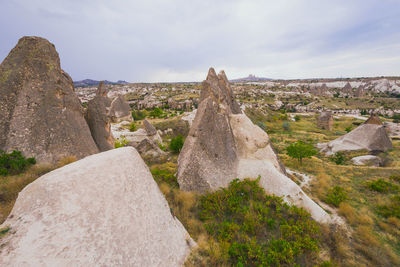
(348, 129)
(156, 113)
(176, 144)
(335, 196)
(300, 150)
(338, 158)
(121, 142)
(14, 162)
(382, 186)
(132, 127)
(297, 117)
(138, 115)
(257, 229)
(392, 209)
(163, 173)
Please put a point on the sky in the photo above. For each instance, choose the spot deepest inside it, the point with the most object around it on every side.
(178, 40)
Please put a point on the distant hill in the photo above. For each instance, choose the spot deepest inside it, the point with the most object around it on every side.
(251, 78)
(89, 82)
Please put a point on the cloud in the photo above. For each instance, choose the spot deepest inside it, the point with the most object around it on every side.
(178, 40)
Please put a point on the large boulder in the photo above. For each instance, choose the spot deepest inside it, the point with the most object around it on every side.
(223, 144)
(104, 210)
(40, 113)
(370, 136)
(99, 119)
(120, 110)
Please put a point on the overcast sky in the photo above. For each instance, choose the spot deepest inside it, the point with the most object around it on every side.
(178, 40)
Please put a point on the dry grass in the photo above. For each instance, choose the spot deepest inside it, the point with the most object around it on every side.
(348, 212)
(10, 186)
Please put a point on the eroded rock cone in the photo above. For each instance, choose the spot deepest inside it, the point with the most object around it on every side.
(40, 114)
(104, 210)
(223, 144)
(99, 120)
(120, 110)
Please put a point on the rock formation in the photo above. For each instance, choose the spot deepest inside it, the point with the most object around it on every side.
(369, 160)
(83, 215)
(150, 129)
(325, 120)
(120, 110)
(393, 129)
(223, 144)
(40, 114)
(371, 136)
(99, 120)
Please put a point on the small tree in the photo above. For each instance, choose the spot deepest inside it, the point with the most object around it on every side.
(300, 150)
(176, 144)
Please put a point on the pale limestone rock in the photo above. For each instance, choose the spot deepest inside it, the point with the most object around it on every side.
(370, 160)
(104, 210)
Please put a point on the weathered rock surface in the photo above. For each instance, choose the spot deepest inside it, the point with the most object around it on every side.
(369, 160)
(99, 120)
(393, 129)
(120, 110)
(325, 120)
(104, 210)
(150, 151)
(150, 129)
(371, 136)
(223, 144)
(40, 114)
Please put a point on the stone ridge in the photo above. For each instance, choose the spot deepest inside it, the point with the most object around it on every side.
(40, 113)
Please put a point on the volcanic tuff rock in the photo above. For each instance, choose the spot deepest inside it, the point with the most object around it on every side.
(99, 120)
(371, 136)
(150, 129)
(83, 215)
(120, 110)
(325, 120)
(223, 144)
(40, 114)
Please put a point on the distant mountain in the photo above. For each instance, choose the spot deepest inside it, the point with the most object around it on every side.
(89, 82)
(251, 78)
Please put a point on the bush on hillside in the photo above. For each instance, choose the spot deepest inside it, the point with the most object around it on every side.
(336, 195)
(382, 186)
(338, 158)
(255, 229)
(138, 115)
(14, 162)
(176, 144)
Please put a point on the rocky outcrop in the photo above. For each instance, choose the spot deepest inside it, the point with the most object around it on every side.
(369, 160)
(325, 120)
(223, 144)
(104, 210)
(120, 110)
(393, 129)
(150, 129)
(370, 136)
(40, 114)
(99, 120)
